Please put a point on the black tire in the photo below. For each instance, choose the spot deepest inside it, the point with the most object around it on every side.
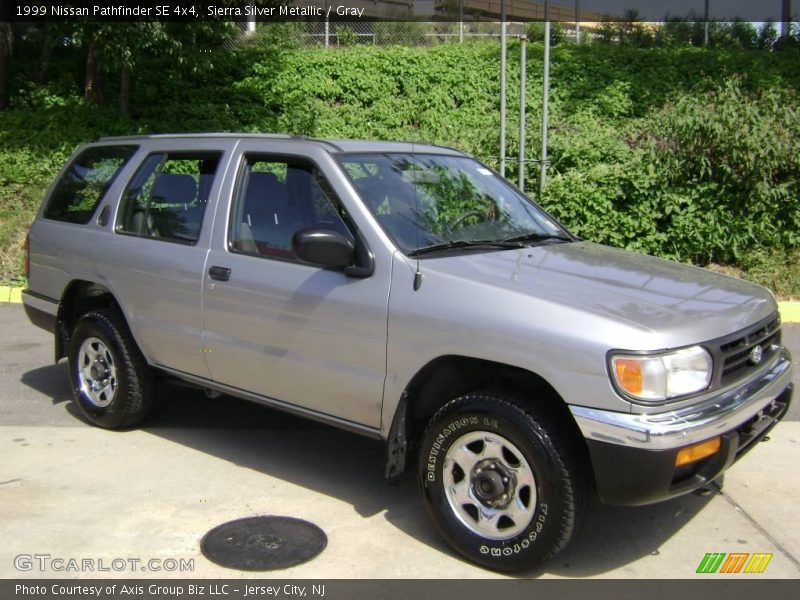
(128, 395)
(540, 517)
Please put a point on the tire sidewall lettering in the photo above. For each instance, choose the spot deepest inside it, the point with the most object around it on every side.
(443, 435)
(510, 547)
(538, 532)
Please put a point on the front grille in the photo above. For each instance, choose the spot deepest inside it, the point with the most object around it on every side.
(737, 351)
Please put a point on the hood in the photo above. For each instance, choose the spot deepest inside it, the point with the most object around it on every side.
(681, 303)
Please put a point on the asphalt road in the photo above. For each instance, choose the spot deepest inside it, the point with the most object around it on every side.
(67, 488)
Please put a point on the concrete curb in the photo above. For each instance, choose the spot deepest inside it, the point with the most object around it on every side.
(10, 294)
(790, 311)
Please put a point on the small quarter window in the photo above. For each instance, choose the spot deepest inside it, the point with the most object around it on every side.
(84, 184)
(167, 197)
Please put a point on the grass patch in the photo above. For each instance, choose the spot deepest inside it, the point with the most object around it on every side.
(777, 271)
(17, 212)
(780, 272)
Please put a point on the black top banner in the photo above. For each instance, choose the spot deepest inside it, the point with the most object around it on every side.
(396, 10)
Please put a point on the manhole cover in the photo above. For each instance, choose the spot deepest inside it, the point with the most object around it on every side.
(263, 543)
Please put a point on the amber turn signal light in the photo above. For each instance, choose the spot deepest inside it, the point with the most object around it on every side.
(698, 451)
(629, 375)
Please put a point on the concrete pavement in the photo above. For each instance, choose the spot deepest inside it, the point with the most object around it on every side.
(70, 490)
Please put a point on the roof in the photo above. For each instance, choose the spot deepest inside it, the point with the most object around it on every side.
(334, 146)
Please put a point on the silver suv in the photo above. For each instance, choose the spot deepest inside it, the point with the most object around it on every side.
(408, 293)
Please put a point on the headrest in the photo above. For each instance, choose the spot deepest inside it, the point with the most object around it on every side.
(175, 188)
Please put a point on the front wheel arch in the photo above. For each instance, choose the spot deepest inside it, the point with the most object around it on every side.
(447, 377)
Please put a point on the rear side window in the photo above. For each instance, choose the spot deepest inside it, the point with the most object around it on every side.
(167, 197)
(85, 182)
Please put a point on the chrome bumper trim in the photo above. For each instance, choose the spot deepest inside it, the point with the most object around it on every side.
(39, 303)
(688, 425)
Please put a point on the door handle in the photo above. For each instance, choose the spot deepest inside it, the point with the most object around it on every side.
(219, 273)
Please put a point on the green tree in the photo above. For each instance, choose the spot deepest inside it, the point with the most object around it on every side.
(767, 36)
(118, 47)
(676, 31)
(633, 31)
(699, 33)
(535, 32)
(608, 32)
(744, 33)
(6, 47)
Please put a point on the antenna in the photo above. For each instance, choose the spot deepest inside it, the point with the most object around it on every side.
(418, 273)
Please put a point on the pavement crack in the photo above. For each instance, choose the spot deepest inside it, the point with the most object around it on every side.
(10, 481)
(780, 547)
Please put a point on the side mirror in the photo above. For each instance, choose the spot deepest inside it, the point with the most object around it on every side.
(324, 248)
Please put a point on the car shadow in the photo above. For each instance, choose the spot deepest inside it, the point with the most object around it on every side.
(614, 536)
(50, 381)
(349, 467)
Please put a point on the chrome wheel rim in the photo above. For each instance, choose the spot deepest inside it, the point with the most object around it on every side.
(97, 372)
(489, 485)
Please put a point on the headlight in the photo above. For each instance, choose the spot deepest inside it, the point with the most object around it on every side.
(663, 376)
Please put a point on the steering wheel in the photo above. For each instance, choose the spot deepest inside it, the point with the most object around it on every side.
(464, 216)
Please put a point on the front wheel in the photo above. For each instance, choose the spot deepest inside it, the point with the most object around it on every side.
(500, 484)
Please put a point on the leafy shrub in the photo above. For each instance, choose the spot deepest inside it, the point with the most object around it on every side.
(669, 151)
(711, 176)
(729, 158)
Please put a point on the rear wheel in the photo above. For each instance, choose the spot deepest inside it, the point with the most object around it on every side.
(111, 381)
(500, 483)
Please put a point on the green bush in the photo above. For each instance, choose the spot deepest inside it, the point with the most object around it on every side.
(711, 176)
(727, 168)
(681, 152)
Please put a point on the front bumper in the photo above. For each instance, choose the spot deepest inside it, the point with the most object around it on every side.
(633, 455)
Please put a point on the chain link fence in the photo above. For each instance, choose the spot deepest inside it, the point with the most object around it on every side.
(403, 33)
(335, 34)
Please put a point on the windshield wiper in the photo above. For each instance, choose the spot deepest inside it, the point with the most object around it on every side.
(455, 244)
(534, 236)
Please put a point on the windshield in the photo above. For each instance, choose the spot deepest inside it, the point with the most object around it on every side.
(432, 201)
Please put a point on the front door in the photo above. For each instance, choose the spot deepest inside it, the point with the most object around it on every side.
(307, 336)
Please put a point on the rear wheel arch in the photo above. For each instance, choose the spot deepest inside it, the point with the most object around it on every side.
(80, 297)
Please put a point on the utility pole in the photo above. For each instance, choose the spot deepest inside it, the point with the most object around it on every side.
(502, 88)
(545, 97)
(786, 17)
(705, 34)
(250, 25)
(460, 21)
(327, 26)
(577, 22)
(523, 68)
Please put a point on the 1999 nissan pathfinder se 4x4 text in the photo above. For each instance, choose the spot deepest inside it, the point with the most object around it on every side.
(408, 293)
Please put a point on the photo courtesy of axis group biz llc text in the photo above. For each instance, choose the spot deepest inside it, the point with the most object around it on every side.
(169, 590)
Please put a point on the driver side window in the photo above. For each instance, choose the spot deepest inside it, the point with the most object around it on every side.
(278, 197)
